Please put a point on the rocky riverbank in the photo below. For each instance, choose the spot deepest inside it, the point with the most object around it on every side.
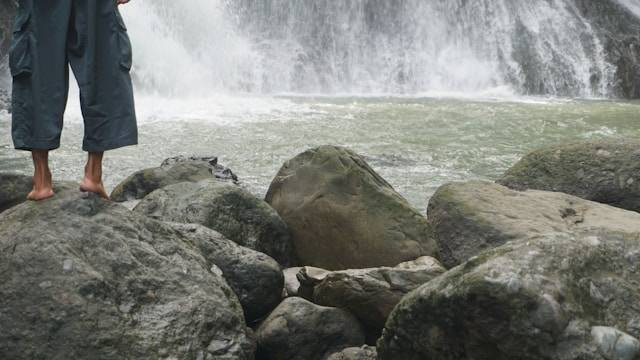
(333, 264)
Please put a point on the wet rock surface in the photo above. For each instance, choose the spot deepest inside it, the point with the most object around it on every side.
(15, 187)
(343, 215)
(172, 171)
(542, 298)
(370, 294)
(468, 218)
(226, 208)
(356, 353)
(300, 330)
(83, 278)
(254, 277)
(606, 171)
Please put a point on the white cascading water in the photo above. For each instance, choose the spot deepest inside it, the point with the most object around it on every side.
(367, 47)
(632, 5)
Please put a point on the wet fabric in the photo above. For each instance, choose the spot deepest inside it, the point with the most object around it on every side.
(91, 37)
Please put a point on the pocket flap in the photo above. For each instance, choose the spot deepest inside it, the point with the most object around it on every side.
(21, 21)
(20, 59)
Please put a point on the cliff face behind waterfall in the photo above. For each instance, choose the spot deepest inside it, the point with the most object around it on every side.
(618, 24)
(579, 48)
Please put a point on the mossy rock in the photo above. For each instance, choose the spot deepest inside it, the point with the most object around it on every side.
(172, 171)
(470, 217)
(343, 215)
(227, 209)
(545, 297)
(605, 171)
(85, 278)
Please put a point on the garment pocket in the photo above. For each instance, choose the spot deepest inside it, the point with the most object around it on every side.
(21, 50)
(125, 53)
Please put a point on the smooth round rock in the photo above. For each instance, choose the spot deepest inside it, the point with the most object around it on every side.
(82, 276)
(255, 277)
(226, 208)
(343, 215)
(471, 217)
(172, 171)
(300, 330)
(605, 171)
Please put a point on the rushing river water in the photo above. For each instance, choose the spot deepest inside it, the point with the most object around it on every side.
(417, 144)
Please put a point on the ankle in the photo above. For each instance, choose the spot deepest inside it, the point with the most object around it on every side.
(97, 179)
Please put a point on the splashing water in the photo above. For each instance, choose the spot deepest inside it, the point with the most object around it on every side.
(368, 47)
(186, 47)
(632, 5)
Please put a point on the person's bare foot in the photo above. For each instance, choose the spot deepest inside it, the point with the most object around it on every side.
(93, 175)
(88, 185)
(42, 180)
(37, 195)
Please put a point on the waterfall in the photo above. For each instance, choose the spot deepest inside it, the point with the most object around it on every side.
(187, 47)
(368, 47)
(632, 5)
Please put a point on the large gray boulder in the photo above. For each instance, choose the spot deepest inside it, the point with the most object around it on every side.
(555, 296)
(370, 294)
(343, 215)
(468, 218)
(172, 171)
(356, 353)
(606, 171)
(226, 208)
(83, 278)
(255, 277)
(300, 330)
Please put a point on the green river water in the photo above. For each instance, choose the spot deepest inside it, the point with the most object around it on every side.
(417, 144)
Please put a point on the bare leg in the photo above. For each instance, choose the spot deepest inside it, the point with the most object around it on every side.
(93, 175)
(42, 183)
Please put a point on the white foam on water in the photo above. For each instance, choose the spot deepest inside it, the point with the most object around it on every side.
(217, 109)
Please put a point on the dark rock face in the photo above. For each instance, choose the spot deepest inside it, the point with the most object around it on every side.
(254, 277)
(555, 296)
(226, 208)
(343, 215)
(468, 218)
(171, 171)
(15, 187)
(300, 330)
(614, 27)
(369, 294)
(603, 171)
(83, 278)
(620, 35)
(356, 353)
